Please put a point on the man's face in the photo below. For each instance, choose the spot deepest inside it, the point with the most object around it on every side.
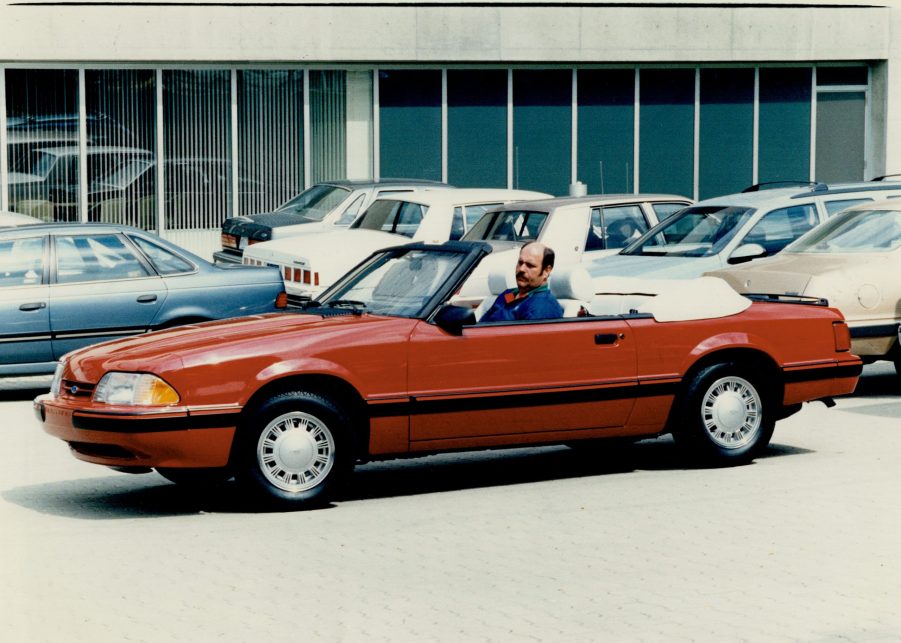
(529, 274)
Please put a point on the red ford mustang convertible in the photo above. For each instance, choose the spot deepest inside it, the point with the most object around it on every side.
(386, 365)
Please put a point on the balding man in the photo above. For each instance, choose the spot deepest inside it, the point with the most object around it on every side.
(532, 298)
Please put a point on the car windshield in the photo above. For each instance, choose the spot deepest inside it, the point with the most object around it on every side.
(858, 231)
(316, 202)
(700, 231)
(397, 283)
(510, 225)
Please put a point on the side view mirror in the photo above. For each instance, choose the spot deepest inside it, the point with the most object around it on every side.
(452, 319)
(747, 252)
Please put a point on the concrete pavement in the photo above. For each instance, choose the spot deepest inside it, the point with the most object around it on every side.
(541, 544)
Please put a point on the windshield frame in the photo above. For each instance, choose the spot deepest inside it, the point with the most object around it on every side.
(471, 253)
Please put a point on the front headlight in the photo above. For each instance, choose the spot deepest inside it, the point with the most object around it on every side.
(134, 389)
(57, 378)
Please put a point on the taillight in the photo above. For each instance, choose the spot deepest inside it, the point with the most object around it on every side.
(842, 336)
(282, 300)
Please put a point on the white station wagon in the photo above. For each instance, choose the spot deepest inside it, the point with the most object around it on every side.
(311, 263)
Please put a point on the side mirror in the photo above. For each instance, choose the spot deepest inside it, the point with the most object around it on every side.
(747, 252)
(452, 319)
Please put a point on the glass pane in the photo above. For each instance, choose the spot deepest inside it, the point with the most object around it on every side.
(95, 258)
(328, 121)
(727, 131)
(477, 128)
(837, 206)
(667, 131)
(197, 126)
(859, 231)
(841, 126)
(664, 210)
(164, 261)
(410, 124)
(784, 140)
(542, 130)
(41, 129)
(780, 227)
(606, 130)
(121, 107)
(270, 138)
(841, 76)
(22, 261)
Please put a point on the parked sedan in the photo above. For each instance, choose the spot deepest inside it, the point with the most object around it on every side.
(579, 229)
(854, 261)
(323, 207)
(735, 228)
(385, 367)
(311, 263)
(66, 286)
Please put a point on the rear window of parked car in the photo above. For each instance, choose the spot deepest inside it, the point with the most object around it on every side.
(164, 262)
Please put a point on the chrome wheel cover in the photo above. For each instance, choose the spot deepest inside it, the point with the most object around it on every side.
(296, 451)
(731, 412)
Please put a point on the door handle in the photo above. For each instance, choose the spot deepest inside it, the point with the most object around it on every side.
(37, 305)
(608, 338)
(146, 299)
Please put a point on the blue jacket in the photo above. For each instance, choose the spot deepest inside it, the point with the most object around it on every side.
(537, 304)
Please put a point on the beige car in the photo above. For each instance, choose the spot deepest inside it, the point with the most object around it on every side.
(853, 260)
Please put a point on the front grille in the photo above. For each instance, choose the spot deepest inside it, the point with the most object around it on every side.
(72, 388)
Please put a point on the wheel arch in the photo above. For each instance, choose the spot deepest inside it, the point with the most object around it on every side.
(331, 386)
(754, 358)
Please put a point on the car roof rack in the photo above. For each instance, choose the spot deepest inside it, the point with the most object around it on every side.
(816, 186)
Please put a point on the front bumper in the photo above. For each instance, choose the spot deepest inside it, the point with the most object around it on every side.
(172, 437)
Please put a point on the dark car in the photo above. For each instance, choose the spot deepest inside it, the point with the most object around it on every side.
(65, 286)
(332, 205)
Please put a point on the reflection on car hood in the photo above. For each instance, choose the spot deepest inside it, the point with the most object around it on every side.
(264, 220)
(346, 247)
(653, 267)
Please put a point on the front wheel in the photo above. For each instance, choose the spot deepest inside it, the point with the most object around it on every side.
(725, 416)
(295, 450)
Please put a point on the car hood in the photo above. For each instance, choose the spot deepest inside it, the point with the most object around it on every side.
(784, 274)
(648, 267)
(20, 177)
(262, 340)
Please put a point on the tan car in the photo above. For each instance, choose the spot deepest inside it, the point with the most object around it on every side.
(854, 261)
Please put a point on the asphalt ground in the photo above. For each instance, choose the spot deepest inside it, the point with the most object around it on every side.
(539, 544)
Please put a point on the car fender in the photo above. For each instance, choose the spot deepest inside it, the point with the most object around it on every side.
(304, 367)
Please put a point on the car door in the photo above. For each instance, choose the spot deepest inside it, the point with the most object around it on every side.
(511, 382)
(101, 289)
(24, 311)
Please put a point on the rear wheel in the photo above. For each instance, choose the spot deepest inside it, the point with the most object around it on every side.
(295, 450)
(726, 416)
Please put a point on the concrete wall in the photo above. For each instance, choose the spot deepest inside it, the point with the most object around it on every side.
(419, 33)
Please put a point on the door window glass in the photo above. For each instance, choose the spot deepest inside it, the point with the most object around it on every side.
(95, 258)
(837, 206)
(615, 227)
(352, 211)
(21, 261)
(666, 210)
(164, 261)
(780, 227)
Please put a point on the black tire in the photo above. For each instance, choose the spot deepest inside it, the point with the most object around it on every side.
(196, 477)
(727, 415)
(294, 450)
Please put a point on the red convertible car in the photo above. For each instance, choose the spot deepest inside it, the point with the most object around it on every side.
(385, 366)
